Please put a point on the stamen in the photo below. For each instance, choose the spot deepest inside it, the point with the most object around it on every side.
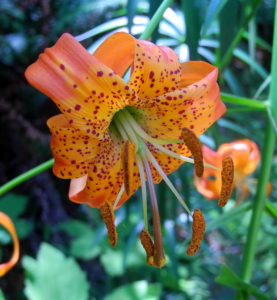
(143, 191)
(118, 197)
(159, 258)
(181, 157)
(167, 181)
(148, 246)
(143, 134)
(128, 161)
(157, 142)
(227, 178)
(108, 217)
(198, 230)
(194, 146)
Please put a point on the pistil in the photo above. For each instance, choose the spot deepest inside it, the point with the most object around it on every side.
(159, 258)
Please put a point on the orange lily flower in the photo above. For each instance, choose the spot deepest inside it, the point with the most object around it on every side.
(112, 135)
(7, 223)
(246, 157)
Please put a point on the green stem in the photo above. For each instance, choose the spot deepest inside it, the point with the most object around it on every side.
(227, 98)
(259, 204)
(268, 150)
(155, 20)
(226, 58)
(25, 176)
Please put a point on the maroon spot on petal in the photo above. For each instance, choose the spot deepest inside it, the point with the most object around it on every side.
(169, 98)
(151, 74)
(115, 83)
(191, 126)
(77, 107)
(100, 73)
(62, 67)
(73, 162)
(75, 85)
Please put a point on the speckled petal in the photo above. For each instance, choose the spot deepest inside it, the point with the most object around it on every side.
(155, 69)
(105, 178)
(86, 91)
(168, 163)
(196, 107)
(7, 223)
(72, 149)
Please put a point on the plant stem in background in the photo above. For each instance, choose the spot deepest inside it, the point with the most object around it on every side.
(228, 55)
(268, 150)
(155, 20)
(25, 176)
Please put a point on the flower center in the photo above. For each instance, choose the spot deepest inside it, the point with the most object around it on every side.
(126, 128)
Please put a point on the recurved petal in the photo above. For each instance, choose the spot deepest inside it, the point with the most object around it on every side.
(104, 179)
(196, 107)
(245, 154)
(7, 223)
(86, 91)
(117, 52)
(155, 70)
(72, 149)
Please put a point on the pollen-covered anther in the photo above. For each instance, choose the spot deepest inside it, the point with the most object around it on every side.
(128, 162)
(148, 246)
(227, 178)
(194, 146)
(198, 230)
(108, 217)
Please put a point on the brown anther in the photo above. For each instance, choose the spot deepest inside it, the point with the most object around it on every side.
(150, 250)
(128, 160)
(198, 230)
(148, 245)
(194, 146)
(227, 178)
(107, 213)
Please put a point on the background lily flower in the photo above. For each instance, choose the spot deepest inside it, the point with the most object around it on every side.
(111, 134)
(7, 223)
(246, 156)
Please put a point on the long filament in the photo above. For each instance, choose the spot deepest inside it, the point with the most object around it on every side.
(143, 191)
(167, 181)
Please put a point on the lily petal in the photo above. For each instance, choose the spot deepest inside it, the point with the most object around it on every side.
(196, 107)
(86, 91)
(155, 69)
(72, 149)
(104, 179)
(168, 163)
(7, 223)
(245, 154)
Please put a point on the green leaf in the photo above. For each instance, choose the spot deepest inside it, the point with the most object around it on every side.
(228, 21)
(212, 12)
(228, 278)
(85, 242)
(53, 276)
(13, 205)
(136, 291)
(131, 8)
(193, 25)
(2, 297)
